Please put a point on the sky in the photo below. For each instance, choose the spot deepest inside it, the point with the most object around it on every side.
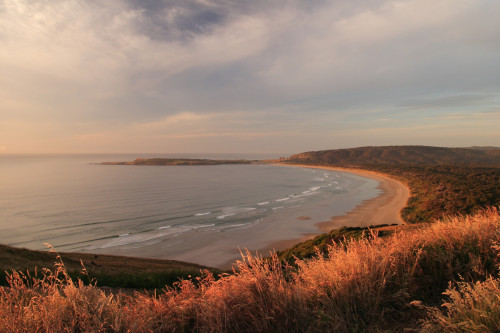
(222, 76)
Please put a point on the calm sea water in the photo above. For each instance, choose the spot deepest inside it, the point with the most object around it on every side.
(78, 205)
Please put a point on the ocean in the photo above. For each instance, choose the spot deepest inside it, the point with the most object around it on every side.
(76, 204)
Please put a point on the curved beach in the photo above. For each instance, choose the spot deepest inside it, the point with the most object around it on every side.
(384, 209)
(218, 250)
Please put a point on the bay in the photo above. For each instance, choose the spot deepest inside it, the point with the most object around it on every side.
(77, 204)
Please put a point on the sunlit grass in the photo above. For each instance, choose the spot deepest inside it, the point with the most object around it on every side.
(362, 285)
(470, 307)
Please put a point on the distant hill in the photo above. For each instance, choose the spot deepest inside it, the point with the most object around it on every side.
(483, 148)
(419, 155)
(443, 181)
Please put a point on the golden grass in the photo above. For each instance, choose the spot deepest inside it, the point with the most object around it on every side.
(472, 307)
(364, 285)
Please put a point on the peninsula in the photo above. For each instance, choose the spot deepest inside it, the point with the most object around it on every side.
(178, 161)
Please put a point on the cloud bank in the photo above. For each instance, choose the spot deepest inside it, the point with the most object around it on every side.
(247, 76)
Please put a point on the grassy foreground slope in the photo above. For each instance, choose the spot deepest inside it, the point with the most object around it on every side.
(107, 270)
(375, 284)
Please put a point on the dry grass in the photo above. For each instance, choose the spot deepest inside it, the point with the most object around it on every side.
(54, 303)
(109, 270)
(472, 307)
(365, 285)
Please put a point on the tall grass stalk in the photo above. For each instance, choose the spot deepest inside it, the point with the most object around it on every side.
(471, 307)
(52, 302)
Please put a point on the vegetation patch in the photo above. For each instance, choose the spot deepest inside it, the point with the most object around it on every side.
(320, 244)
(106, 270)
(443, 181)
(469, 307)
(444, 190)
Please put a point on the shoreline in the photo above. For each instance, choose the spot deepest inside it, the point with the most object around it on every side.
(383, 209)
(223, 250)
(219, 250)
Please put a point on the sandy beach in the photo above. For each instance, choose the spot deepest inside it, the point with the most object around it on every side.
(384, 209)
(281, 232)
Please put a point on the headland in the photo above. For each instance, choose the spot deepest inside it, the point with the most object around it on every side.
(177, 161)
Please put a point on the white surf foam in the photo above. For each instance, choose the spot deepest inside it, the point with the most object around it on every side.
(201, 214)
(221, 217)
(231, 211)
(128, 239)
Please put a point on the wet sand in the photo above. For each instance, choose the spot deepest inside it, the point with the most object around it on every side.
(384, 209)
(218, 249)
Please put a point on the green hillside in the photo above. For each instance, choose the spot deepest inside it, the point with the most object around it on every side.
(415, 155)
(107, 270)
(442, 181)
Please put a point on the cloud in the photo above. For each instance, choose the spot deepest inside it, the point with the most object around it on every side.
(203, 67)
(473, 116)
(235, 123)
(448, 101)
